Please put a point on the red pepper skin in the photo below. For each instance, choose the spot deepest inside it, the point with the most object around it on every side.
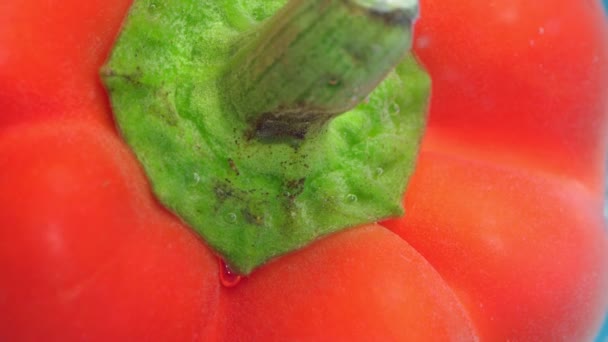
(506, 201)
(50, 60)
(503, 236)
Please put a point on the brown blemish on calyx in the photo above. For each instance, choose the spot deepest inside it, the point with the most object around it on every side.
(233, 166)
(294, 188)
(168, 112)
(133, 78)
(252, 218)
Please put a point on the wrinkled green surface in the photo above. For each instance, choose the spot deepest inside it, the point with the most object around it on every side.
(252, 200)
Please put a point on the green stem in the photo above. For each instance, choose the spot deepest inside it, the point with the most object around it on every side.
(315, 59)
(238, 132)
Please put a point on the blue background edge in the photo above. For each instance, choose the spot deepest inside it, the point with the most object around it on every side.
(603, 336)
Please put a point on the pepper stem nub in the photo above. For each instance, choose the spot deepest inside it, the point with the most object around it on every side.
(313, 60)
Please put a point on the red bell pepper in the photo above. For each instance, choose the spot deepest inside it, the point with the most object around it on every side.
(503, 237)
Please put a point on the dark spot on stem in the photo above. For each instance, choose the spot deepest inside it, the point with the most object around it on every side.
(166, 109)
(225, 190)
(133, 78)
(285, 123)
(333, 81)
(233, 166)
(252, 218)
(294, 188)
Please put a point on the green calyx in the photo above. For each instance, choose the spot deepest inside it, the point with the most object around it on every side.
(254, 119)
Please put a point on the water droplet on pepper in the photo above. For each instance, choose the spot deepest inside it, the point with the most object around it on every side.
(379, 172)
(230, 218)
(351, 198)
(227, 277)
